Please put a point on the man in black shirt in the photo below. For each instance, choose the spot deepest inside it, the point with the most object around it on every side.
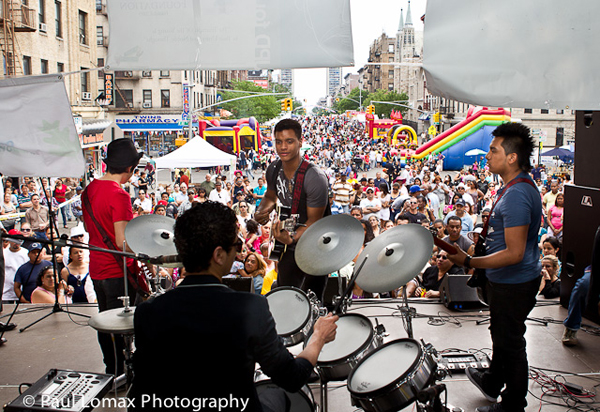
(217, 335)
(412, 214)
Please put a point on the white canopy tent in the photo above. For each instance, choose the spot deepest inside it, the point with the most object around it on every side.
(197, 153)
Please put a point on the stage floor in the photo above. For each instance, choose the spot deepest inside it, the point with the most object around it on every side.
(58, 342)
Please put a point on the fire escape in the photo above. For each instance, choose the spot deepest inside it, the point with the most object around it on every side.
(15, 17)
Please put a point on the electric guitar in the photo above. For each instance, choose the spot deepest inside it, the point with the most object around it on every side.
(289, 222)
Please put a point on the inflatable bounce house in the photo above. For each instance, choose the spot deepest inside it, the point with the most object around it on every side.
(231, 136)
(475, 132)
(391, 129)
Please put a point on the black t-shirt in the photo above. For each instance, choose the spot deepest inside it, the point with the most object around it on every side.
(430, 276)
(416, 218)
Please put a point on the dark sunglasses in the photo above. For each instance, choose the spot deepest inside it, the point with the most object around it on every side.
(443, 257)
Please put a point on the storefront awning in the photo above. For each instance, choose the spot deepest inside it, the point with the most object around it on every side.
(92, 132)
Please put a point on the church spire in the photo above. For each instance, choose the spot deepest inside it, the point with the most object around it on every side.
(408, 15)
(401, 26)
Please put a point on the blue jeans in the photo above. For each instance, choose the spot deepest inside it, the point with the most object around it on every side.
(510, 304)
(578, 300)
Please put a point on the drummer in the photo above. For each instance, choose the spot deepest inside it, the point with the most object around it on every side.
(212, 333)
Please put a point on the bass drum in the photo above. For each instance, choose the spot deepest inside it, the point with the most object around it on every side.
(301, 401)
(355, 338)
(294, 314)
(390, 377)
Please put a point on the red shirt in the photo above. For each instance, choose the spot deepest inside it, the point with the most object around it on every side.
(110, 204)
(59, 194)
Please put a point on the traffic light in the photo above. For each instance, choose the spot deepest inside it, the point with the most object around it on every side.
(337, 99)
(370, 109)
(283, 105)
(289, 104)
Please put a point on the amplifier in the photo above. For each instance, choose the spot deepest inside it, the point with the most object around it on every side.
(63, 390)
(240, 284)
(459, 361)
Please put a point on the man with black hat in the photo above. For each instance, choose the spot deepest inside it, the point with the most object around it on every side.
(106, 212)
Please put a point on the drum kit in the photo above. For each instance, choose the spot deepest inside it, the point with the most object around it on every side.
(381, 377)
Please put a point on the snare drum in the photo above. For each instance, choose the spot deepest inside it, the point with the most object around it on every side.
(390, 377)
(294, 314)
(301, 401)
(354, 338)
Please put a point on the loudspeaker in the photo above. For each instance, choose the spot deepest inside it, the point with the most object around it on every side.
(240, 284)
(455, 294)
(587, 142)
(335, 287)
(592, 310)
(581, 220)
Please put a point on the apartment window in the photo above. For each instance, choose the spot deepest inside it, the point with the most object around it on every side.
(85, 80)
(391, 59)
(44, 66)
(26, 65)
(99, 36)
(390, 86)
(544, 111)
(58, 18)
(99, 5)
(147, 73)
(165, 98)
(100, 64)
(391, 74)
(60, 67)
(560, 136)
(42, 11)
(83, 27)
(560, 111)
(528, 111)
(147, 97)
(390, 48)
(124, 93)
(164, 73)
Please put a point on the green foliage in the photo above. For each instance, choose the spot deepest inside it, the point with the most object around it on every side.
(351, 102)
(383, 109)
(263, 108)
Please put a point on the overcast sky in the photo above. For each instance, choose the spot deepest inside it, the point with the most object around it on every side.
(370, 18)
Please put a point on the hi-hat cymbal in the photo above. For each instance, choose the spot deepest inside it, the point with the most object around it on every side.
(113, 321)
(394, 258)
(151, 235)
(329, 244)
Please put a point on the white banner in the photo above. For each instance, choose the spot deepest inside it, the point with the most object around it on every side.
(228, 35)
(514, 53)
(38, 135)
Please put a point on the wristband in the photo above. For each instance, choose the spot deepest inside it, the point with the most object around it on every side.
(467, 262)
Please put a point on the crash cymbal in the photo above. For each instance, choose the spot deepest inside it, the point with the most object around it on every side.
(395, 257)
(151, 235)
(113, 321)
(329, 244)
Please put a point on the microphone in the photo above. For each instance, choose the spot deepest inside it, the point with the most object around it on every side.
(431, 392)
(168, 259)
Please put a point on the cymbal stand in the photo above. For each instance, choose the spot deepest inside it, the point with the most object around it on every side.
(323, 385)
(346, 299)
(407, 314)
(127, 376)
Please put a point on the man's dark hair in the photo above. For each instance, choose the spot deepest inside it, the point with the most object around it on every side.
(289, 124)
(117, 170)
(454, 217)
(356, 208)
(200, 230)
(516, 138)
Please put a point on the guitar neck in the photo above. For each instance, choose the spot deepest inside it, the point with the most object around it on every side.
(444, 245)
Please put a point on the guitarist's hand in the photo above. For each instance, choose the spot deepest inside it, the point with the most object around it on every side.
(282, 236)
(262, 216)
(459, 257)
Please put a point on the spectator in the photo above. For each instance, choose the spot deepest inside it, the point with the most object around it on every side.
(550, 285)
(143, 203)
(27, 274)
(259, 191)
(8, 208)
(429, 286)
(254, 267)
(76, 275)
(76, 205)
(385, 199)
(14, 257)
(45, 293)
(60, 193)
(375, 225)
(555, 216)
(219, 195)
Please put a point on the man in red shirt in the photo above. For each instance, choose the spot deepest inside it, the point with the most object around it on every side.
(107, 209)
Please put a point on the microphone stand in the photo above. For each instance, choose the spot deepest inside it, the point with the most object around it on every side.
(56, 308)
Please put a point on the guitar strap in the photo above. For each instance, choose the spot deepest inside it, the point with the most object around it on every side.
(110, 245)
(484, 231)
(298, 186)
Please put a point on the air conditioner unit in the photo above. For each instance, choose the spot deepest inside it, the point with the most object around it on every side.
(86, 96)
(43, 27)
(146, 105)
(147, 73)
(128, 74)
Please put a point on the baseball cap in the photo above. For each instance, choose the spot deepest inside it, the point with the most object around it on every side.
(77, 231)
(460, 202)
(35, 246)
(370, 189)
(415, 188)
(476, 230)
(15, 232)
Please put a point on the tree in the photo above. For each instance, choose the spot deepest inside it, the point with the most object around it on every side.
(263, 108)
(383, 109)
(351, 102)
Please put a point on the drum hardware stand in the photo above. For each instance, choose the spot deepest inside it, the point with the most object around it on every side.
(541, 321)
(408, 314)
(53, 229)
(323, 387)
(346, 299)
(428, 400)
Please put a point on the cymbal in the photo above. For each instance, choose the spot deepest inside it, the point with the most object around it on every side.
(113, 320)
(151, 235)
(329, 244)
(394, 258)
